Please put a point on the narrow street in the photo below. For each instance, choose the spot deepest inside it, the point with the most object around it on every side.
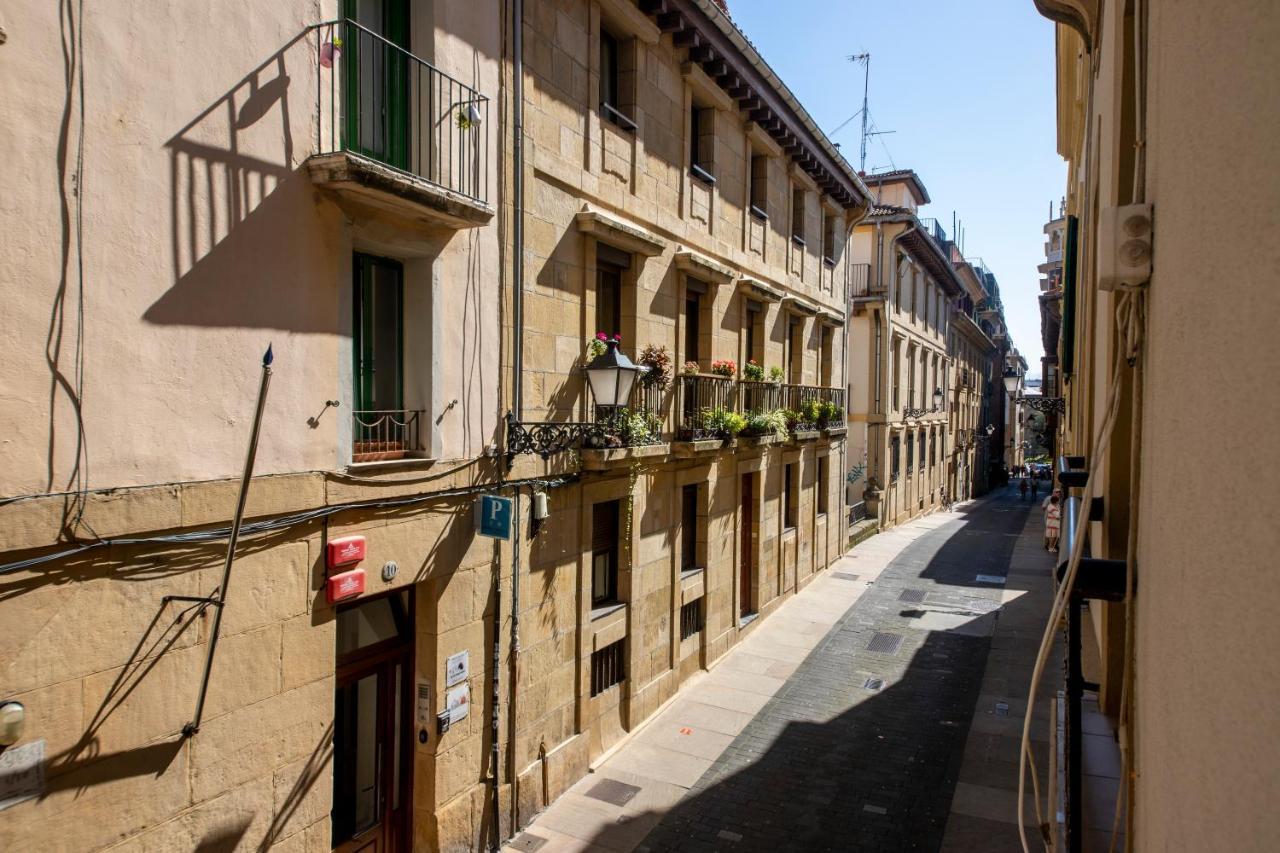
(880, 709)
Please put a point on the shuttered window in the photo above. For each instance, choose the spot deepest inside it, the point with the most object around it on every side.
(604, 552)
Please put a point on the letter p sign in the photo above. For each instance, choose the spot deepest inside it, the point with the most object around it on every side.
(493, 517)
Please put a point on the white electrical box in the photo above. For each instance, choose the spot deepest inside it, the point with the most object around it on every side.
(1124, 245)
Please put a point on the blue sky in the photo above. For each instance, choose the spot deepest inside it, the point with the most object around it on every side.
(968, 89)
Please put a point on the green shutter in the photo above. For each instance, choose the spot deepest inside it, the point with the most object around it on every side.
(1067, 364)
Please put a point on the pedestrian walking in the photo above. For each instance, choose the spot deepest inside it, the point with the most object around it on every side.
(1035, 487)
(1052, 521)
(1022, 490)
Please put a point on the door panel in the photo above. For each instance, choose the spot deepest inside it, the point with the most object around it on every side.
(379, 333)
(377, 80)
(746, 560)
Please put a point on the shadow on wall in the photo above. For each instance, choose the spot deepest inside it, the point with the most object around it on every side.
(880, 775)
(242, 216)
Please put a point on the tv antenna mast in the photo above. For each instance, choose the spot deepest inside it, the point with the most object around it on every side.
(865, 59)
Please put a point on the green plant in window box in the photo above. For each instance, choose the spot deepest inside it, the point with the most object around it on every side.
(752, 372)
(811, 411)
(722, 422)
(775, 375)
(831, 414)
(765, 423)
(639, 428)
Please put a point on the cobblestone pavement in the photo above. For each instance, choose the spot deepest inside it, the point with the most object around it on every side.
(856, 738)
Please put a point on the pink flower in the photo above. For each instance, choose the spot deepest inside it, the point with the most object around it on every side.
(601, 336)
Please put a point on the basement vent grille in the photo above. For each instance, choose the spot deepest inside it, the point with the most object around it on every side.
(614, 792)
(912, 596)
(885, 643)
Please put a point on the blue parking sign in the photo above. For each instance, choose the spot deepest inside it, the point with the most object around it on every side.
(493, 517)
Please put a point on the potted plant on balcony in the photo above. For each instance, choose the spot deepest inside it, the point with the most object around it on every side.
(722, 422)
(330, 52)
(764, 423)
(690, 368)
(832, 414)
(596, 346)
(637, 429)
(658, 360)
(775, 375)
(752, 372)
(725, 367)
(811, 413)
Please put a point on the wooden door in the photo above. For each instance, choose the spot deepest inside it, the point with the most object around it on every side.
(372, 758)
(746, 560)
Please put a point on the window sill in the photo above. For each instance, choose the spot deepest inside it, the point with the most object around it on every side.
(390, 464)
(702, 175)
(617, 118)
(799, 241)
(759, 214)
(829, 263)
(599, 611)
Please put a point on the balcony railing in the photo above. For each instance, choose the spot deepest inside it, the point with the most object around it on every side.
(384, 435)
(759, 396)
(378, 100)
(699, 393)
(935, 231)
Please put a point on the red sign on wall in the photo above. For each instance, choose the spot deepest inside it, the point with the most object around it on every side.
(345, 550)
(344, 585)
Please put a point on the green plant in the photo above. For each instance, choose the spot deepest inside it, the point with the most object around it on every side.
(658, 360)
(690, 368)
(722, 422)
(462, 120)
(831, 412)
(597, 346)
(639, 428)
(766, 423)
(811, 411)
(791, 417)
(752, 372)
(775, 374)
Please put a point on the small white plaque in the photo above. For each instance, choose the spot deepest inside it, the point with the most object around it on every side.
(21, 773)
(458, 703)
(457, 668)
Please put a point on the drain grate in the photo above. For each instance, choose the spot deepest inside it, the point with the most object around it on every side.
(844, 576)
(873, 683)
(911, 596)
(614, 792)
(989, 579)
(885, 643)
(527, 841)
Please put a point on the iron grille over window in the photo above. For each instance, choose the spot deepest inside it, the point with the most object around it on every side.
(608, 667)
(690, 618)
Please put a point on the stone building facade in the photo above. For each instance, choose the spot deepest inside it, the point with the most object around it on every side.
(345, 192)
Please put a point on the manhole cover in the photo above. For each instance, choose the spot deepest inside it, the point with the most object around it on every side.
(989, 579)
(911, 596)
(844, 576)
(527, 841)
(614, 792)
(873, 683)
(885, 643)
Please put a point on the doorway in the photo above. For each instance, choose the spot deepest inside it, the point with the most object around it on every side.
(747, 556)
(377, 80)
(372, 757)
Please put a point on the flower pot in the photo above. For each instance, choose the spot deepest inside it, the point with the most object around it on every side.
(329, 54)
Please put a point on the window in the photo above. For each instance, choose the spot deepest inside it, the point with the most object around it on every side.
(923, 441)
(760, 186)
(754, 332)
(829, 238)
(824, 356)
(933, 449)
(608, 667)
(897, 372)
(797, 216)
(690, 618)
(615, 103)
(795, 350)
(895, 458)
(604, 553)
(702, 143)
(911, 452)
(911, 377)
(823, 483)
(789, 496)
(608, 298)
(689, 527)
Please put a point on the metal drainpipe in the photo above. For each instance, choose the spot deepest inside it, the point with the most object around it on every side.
(512, 770)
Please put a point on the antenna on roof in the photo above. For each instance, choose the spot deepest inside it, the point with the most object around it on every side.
(865, 59)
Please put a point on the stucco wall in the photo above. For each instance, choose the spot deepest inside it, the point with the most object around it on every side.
(201, 240)
(1208, 700)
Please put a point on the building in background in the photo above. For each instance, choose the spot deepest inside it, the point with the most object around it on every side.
(385, 674)
(1165, 336)
(1014, 384)
(1050, 298)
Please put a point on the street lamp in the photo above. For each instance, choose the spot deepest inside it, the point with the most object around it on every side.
(909, 412)
(611, 376)
(1040, 404)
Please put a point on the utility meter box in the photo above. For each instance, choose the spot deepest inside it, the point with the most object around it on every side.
(1124, 245)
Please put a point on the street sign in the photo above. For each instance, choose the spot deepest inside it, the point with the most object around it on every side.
(493, 517)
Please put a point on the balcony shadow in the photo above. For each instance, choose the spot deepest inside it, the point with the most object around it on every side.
(814, 771)
(242, 211)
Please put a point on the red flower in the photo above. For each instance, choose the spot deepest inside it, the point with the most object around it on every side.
(601, 336)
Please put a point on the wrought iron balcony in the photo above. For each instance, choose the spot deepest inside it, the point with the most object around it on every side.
(698, 393)
(384, 435)
(401, 126)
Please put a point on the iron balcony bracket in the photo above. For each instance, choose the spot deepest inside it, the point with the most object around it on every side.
(548, 439)
(1045, 405)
